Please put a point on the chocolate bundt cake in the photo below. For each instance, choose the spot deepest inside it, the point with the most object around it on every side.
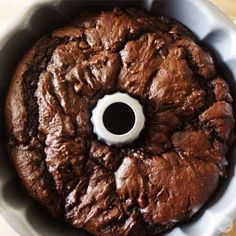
(167, 174)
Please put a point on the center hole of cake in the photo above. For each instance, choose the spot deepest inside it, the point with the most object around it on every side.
(119, 118)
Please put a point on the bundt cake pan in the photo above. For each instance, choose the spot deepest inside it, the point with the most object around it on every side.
(39, 17)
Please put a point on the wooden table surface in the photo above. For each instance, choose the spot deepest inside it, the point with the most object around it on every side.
(9, 6)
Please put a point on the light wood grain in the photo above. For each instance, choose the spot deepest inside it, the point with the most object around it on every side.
(10, 7)
(232, 232)
(229, 7)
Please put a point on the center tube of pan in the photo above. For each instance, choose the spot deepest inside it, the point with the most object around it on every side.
(118, 119)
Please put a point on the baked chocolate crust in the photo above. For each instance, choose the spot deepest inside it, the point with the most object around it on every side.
(169, 172)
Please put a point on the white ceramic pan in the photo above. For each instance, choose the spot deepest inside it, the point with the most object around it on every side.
(212, 28)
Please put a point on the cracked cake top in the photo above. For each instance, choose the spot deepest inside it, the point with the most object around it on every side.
(162, 178)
